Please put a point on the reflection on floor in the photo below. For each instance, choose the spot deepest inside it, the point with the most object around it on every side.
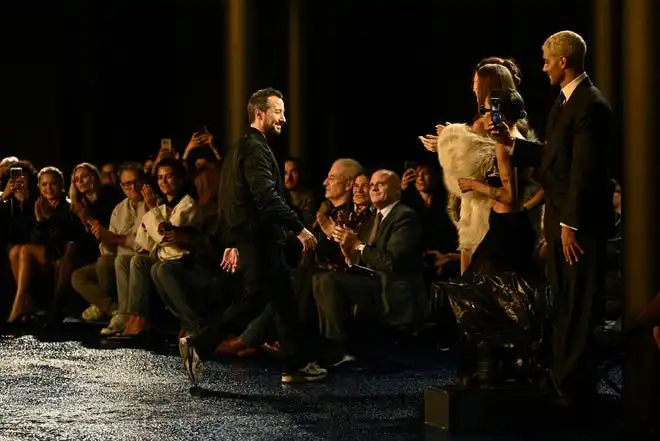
(58, 389)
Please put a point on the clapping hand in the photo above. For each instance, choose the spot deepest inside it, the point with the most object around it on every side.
(307, 239)
(150, 199)
(230, 260)
(327, 224)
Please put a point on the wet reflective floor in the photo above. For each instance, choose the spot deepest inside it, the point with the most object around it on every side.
(74, 390)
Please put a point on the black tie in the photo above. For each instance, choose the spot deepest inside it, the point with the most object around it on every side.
(374, 229)
(561, 100)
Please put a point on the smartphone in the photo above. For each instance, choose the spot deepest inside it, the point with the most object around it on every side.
(495, 113)
(409, 164)
(166, 144)
(15, 173)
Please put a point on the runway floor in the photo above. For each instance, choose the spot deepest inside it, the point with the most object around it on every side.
(55, 389)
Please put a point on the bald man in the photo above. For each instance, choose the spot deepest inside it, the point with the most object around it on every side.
(390, 291)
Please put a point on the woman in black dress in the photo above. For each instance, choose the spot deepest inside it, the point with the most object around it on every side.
(50, 233)
(497, 303)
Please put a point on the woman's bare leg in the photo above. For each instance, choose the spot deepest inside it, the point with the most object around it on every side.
(29, 256)
(14, 260)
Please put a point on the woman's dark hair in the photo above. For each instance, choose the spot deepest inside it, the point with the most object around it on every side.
(512, 107)
(509, 63)
(176, 166)
(29, 172)
(180, 172)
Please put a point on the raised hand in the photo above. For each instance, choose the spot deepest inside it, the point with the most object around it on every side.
(307, 239)
(409, 176)
(230, 260)
(430, 142)
(149, 197)
(327, 225)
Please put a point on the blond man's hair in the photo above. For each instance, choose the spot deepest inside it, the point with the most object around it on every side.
(567, 44)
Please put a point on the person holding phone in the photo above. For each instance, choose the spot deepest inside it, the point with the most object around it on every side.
(502, 262)
(50, 233)
(17, 203)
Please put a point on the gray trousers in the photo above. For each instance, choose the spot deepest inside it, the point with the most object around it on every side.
(134, 283)
(340, 297)
(184, 290)
(96, 283)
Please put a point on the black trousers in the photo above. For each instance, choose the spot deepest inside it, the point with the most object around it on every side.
(578, 307)
(266, 279)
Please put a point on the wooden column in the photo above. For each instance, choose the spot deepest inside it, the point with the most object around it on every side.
(236, 62)
(294, 98)
(603, 47)
(640, 198)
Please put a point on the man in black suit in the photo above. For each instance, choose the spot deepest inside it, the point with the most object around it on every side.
(391, 292)
(255, 219)
(573, 168)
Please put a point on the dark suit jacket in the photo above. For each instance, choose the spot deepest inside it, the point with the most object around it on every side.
(573, 164)
(396, 256)
(251, 204)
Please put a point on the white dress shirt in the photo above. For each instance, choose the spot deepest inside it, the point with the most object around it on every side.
(384, 212)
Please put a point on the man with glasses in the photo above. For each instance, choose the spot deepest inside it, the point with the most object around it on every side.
(96, 282)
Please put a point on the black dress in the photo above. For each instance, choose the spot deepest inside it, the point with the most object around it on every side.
(508, 245)
(498, 304)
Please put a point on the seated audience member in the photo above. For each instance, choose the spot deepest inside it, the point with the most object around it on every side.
(17, 203)
(429, 200)
(158, 233)
(93, 203)
(96, 282)
(361, 218)
(110, 175)
(300, 197)
(193, 287)
(50, 233)
(391, 293)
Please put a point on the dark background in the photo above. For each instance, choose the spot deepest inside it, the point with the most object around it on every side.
(108, 80)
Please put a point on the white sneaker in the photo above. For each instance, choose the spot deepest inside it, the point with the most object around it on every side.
(311, 372)
(92, 314)
(116, 325)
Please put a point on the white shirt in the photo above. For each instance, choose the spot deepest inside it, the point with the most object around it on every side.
(568, 89)
(125, 221)
(384, 212)
(184, 214)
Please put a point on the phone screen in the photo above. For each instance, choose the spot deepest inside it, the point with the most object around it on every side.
(166, 144)
(15, 173)
(495, 114)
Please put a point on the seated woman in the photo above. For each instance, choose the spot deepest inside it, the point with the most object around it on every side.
(158, 232)
(49, 236)
(495, 304)
(93, 203)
